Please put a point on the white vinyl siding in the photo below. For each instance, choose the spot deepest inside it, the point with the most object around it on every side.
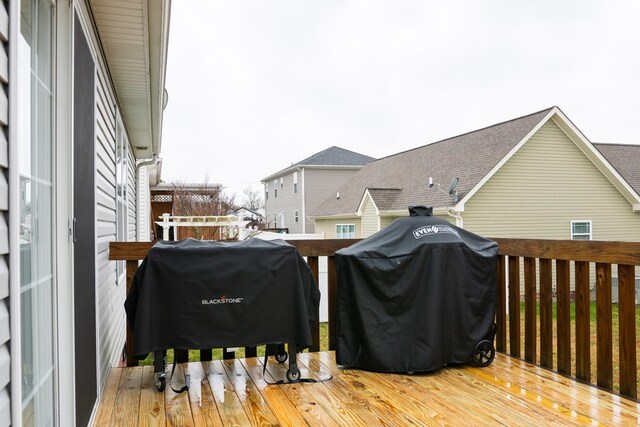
(110, 289)
(544, 186)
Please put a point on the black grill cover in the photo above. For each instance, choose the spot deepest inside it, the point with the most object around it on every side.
(193, 294)
(415, 296)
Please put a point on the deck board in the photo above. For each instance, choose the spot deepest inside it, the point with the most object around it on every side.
(233, 392)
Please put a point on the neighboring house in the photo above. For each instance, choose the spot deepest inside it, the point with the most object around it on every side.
(81, 114)
(536, 176)
(292, 193)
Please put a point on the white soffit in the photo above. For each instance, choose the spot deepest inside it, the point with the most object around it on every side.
(134, 37)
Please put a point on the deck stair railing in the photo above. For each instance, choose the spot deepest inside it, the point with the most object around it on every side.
(544, 277)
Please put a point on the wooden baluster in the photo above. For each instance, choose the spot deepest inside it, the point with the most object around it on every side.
(227, 355)
(530, 318)
(514, 306)
(132, 267)
(332, 285)
(627, 331)
(206, 355)
(563, 316)
(181, 355)
(546, 314)
(501, 305)
(250, 351)
(604, 326)
(315, 333)
(583, 351)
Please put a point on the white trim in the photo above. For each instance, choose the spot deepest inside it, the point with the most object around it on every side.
(361, 205)
(301, 167)
(64, 191)
(348, 225)
(14, 220)
(581, 221)
(304, 202)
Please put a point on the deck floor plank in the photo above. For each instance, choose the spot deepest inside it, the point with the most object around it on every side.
(177, 408)
(234, 393)
(203, 407)
(250, 397)
(286, 413)
(151, 402)
(227, 402)
(104, 416)
(365, 401)
(127, 401)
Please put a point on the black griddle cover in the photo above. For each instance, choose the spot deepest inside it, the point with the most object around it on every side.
(415, 296)
(193, 294)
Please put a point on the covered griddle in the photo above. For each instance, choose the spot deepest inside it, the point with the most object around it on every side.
(194, 294)
(416, 296)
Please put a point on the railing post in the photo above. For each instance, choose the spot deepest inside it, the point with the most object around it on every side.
(315, 333)
(604, 326)
(627, 331)
(132, 267)
(501, 304)
(563, 316)
(583, 351)
(332, 289)
(546, 314)
(530, 317)
(514, 306)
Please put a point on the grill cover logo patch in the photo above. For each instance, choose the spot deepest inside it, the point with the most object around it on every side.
(433, 229)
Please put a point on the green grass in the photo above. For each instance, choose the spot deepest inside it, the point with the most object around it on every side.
(194, 355)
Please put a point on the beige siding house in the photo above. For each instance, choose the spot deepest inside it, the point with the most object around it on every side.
(536, 176)
(293, 192)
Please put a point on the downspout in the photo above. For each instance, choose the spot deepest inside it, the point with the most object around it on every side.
(144, 162)
(457, 216)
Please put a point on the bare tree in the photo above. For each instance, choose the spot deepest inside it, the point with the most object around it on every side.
(203, 200)
(252, 199)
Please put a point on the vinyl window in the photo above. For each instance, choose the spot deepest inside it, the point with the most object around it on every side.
(581, 230)
(345, 231)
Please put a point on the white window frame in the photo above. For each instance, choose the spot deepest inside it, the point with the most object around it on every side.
(275, 188)
(295, 183)
(574, 234)
(281, 182)
(296, 217)
(350, 234)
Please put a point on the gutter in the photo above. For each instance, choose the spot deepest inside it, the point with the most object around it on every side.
(144, 162)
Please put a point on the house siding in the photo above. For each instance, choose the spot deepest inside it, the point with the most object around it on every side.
(110, 290)
(328, 226)
(287, 202)
(319, 185)
(5, 354)
(544, 186)
(369, 218)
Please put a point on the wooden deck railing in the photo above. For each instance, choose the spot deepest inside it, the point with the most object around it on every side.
(528, 273)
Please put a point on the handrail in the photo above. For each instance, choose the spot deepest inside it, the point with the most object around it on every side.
(528, 271)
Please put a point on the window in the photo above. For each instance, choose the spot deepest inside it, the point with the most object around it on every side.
(275, 220)
(282, 220)
(296, 217)
(275, 188)
(345, 231)
(581, 230)
(122, 157)
(35, 148)
(266, 191)
(295, 183)
(282, 182)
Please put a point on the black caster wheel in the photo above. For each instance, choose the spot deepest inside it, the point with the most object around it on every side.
(161, 381)
(293, 376)
(483, 354)
(282, 357)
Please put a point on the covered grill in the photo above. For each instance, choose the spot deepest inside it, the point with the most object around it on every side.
(195, 294)
(416, 296)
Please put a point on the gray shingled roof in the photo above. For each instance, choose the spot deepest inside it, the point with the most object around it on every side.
(332, 156)
(625, 159)
(470, 157)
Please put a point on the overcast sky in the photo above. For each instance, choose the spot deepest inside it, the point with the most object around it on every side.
(257, 85)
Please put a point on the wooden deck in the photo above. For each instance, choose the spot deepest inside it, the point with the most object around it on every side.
(232, 392)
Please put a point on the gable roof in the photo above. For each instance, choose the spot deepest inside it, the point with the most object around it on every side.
(332, 156)
(625, 159)
(472, 157)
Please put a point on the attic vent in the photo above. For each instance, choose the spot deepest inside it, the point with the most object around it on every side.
(142, 147)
